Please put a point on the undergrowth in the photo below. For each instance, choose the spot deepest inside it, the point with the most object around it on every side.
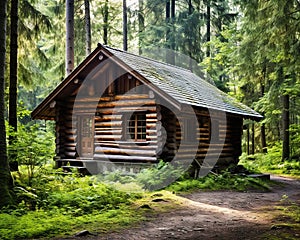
(224, 181)
(271, 163)
(56, 205)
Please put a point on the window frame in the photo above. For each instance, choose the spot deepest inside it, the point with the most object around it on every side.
(136, 132)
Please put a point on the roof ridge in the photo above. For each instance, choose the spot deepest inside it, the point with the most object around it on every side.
(148, 58)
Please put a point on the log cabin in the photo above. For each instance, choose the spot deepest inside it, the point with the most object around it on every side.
(120, 110)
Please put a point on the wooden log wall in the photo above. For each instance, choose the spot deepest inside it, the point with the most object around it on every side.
(109, 133)
(66, 135)
(223, 145)
(227, 145)
(169, 123)
(164, 135)
(111, 136)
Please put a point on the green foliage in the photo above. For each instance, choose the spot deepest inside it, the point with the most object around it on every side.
(159, 176)
(224, 181)
(32, 147)
(271, 162)
(295, 140)
(58, 203)
(42, 223)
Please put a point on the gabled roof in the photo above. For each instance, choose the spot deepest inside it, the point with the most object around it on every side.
(178, 84)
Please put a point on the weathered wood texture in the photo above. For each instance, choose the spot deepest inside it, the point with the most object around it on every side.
(110, 115)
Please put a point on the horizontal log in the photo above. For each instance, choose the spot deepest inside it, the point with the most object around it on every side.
(108, 99)
(107, 137)
(126, 109)
(70, 131)
(131, 96)
(70, 154)
(153, 115)
(127, 103)
(122, 157)
(151, 137)
(71, 138)
(109, 132)
(123, 146)
(70, 149)
(151, 120)
(122, 103)
(120, 151)
(70, 144)
(109, 124)
(109, 118)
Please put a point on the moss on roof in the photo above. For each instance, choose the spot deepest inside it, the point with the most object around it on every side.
(183, 85)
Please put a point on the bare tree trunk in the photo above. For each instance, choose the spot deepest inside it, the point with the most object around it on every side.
(5, 176)
(13, 77)
(248, 140)
(253, 139)
(208, 16)
(170, 14)
(69, 36)
(285, 126)
(105, 21)
(88, 34)
(141, 25)
(190, 39)
(263, 138)
(172, 44)
(125, 26)
(263, 126)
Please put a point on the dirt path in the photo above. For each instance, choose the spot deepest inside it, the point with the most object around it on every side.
(219, 215)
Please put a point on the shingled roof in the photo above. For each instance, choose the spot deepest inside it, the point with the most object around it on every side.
(179, 84)
(183, 85)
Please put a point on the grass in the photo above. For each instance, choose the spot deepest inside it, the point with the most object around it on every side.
(286, 221)
(272, 163)
(224, 181)
(52, 223)
(59, 206)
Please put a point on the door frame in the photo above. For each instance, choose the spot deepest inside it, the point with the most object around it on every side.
(89, 131)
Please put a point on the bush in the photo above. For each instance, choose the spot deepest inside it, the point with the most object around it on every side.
(32, 148)
(159, 176)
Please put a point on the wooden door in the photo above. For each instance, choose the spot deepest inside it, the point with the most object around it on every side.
(86, 133)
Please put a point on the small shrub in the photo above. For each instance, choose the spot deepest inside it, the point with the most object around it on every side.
(159, 176)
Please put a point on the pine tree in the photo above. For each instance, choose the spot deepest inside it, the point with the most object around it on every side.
(5, 176)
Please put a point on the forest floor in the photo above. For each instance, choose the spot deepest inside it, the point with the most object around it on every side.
(220, 215)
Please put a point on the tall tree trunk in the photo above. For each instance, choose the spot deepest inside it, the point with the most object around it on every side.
(69, 36)
(170, 13)
(248, 139)
(125, 26)
(253, 139)
(172, 43)
(13, 75)
(13, 65)
(263, 126)
(263, 138)
(141, 25)
(285, 127)
(190, 39)
(88, 34)
(105, 25)
(5, 176)
(208, 20)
